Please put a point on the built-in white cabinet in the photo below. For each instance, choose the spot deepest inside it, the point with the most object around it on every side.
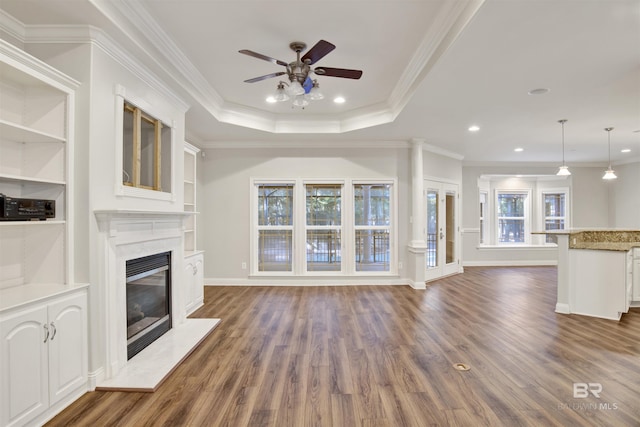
(194, 281)
(43, 325)
(193, 258)
(189, 184)
(36, 144)
(43, 358)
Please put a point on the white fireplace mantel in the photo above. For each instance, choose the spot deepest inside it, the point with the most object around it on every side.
(125, 235)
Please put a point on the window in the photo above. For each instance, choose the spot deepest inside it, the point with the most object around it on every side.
(555, 213)
(372, 225)
(146, 152)
(275, 227)
(324, 227)
(512, 217)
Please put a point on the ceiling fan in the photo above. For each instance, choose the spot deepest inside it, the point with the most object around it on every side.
(299, 70)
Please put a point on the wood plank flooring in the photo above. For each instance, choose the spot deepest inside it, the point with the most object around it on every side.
(383, 356)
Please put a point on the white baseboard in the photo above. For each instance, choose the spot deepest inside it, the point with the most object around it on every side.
(563, 308)
(511, 263)
(95, 377)
(315, 281)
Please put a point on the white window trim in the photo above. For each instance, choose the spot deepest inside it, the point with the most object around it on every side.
(392, 227)
(527, 216)
(255, 227)
(344, 253)
(299, 262)
(542, 217)
(122, 96)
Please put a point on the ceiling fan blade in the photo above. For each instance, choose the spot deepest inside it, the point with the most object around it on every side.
(264, 57)
(267, 76)
(338, 72)
(318, 52)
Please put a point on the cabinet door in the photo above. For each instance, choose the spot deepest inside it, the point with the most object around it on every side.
(198, 281)
(189, 278)
(23, 366)
(67, 346)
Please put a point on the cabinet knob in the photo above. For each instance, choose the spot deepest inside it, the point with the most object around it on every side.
(46, 332)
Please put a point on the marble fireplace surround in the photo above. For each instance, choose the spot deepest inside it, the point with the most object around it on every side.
(130, 234)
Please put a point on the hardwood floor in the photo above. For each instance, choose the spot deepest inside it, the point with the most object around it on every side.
(384, 355)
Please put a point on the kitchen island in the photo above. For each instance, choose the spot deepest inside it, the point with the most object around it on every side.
(598, 272)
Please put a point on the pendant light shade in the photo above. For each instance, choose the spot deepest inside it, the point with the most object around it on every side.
(609, 173)
(564, 169)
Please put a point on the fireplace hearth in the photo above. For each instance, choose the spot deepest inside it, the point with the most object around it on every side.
(148, 291)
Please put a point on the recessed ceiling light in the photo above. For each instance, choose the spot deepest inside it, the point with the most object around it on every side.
(517, 150)
(339, 100)
(474, 128)
(625, 150)
(538, 91)
(271, 99)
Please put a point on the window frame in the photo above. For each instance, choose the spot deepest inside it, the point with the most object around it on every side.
(543, 215)
(389, 228)
(526, 218)
(348, 256)
(256, 227)
(122, 96)
(340, 227)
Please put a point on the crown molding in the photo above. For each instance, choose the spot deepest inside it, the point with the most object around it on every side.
(86, 34)
(449, 23)
(306, 144)
(331, 144)
(136, 23)
(11, 26)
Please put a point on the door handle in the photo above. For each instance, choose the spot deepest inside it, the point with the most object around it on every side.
(441, 235)
(53, 335)
(46, 332)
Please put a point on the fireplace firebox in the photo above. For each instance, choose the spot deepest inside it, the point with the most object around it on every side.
(148, 300)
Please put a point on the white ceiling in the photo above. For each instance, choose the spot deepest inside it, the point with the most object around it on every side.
(431, 69)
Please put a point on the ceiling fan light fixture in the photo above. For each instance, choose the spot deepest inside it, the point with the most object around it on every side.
(315, 94)
(301, 101)
(295, 88)
(299, 71)
(281, 93)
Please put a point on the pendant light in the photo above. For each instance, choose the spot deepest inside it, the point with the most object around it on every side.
(609, 174)
(564, 169)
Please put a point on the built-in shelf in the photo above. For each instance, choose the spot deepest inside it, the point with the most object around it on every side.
(8, 177)
(19, 133)
(47, 222)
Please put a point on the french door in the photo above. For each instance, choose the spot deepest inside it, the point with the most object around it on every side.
(441, 229)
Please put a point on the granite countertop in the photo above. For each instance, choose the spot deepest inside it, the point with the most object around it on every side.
(599, 239)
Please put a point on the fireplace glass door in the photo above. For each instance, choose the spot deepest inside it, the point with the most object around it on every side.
(148, 300)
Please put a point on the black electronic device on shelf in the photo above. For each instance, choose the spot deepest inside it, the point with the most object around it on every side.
(19, 209)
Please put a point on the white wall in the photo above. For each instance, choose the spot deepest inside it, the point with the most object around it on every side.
(225, 201)
(589, 198)
(625, 197)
